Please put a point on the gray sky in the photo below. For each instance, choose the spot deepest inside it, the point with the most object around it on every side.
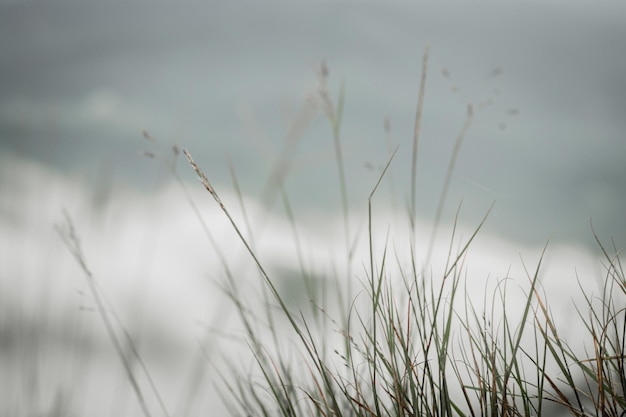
(79, 81)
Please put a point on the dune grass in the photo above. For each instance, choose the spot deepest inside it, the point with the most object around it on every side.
(405, 341)
(414, 352)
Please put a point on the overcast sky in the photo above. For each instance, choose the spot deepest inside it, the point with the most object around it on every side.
(79, 81)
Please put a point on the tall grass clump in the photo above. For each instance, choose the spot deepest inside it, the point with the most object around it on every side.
(396, 333)
(418, 345)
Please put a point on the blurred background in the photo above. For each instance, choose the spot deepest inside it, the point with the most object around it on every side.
(232, 81)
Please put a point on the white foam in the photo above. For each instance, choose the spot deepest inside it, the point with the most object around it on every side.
(158, 269)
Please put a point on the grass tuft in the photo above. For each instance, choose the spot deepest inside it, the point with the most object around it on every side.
(408, 340)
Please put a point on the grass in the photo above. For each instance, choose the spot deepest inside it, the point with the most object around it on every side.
(404, 338)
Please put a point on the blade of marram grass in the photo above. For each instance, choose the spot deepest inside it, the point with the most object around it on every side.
(70, 238)
(416, 137)
(301, 333)
(375, 287)
(446, 184)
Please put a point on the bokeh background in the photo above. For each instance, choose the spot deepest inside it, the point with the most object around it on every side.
(80, 81)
